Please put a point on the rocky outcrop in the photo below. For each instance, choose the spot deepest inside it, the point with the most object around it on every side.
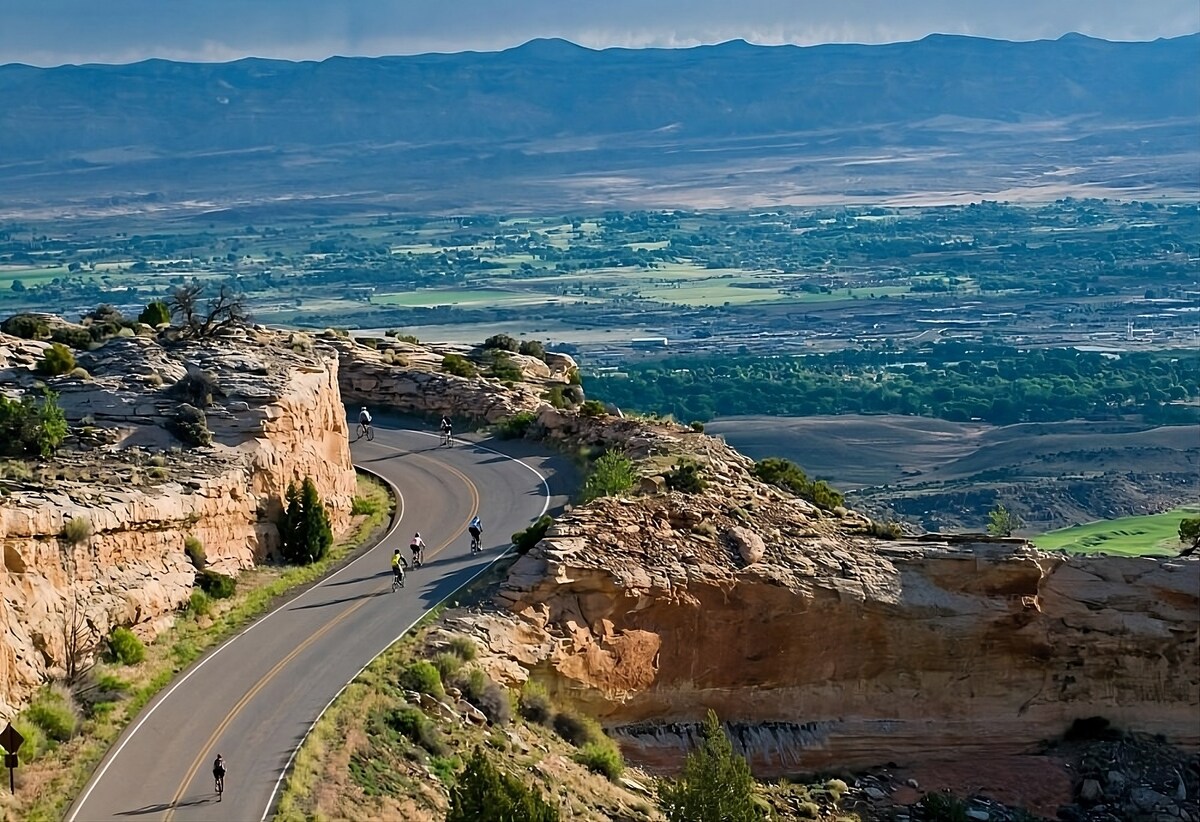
(409, 377)
(275, 416)
(826, 647)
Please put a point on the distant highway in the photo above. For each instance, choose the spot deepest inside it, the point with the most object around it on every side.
(255, 697)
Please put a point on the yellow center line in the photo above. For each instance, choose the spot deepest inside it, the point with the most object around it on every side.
(472, 489)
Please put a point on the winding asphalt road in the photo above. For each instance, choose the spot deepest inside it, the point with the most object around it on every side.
(254, 698)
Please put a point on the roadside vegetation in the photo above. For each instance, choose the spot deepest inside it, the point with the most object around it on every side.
(71, 728)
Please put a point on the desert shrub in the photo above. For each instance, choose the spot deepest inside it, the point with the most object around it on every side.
(885, 530)
(557, 397)
(53, 711)
(35, 739)
(531, 536)
(603, 758)
(194, 548)
(365, 506)
(787, 475)
(199, 603)
(26, 326)
(190, 426)
(576, 729)
(501, 342)
(78, 338)
(396, 334)
(808, 810)
(483, 794)
(575, 378)
(685, 477)
(943, 807)
(504, 369)
(593, 408)
(697, 426)
(77, 530)
(197, 388)
(533, 348)
(305, 530)
(611, 474)
(534, 704)
(715, 782)
(216, 585)
(125, 647)
(515, 426)
(835, 788)
(29, 427)
(155, 313)
(418, 728)
(422, 677)
(110, 686)
(78, 373)
(459, 366)
(463, 647)
(448, 664)
(58, 359)
(478, 689)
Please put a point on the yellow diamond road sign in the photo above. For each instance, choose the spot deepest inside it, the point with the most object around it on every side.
(10, 739)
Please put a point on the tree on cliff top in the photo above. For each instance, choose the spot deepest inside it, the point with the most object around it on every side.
(716, 785)
(1002, 522)
(305, 531)
(1189, 532)
(227, 308)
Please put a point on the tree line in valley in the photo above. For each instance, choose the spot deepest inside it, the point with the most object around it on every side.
(948, 380)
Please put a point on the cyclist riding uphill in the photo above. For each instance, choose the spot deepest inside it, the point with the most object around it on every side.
(417, 546)
(364, 416)
(398, 564)
(445, 424)
(476, 527)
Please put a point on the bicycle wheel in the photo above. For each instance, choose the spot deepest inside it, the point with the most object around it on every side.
(370, 433)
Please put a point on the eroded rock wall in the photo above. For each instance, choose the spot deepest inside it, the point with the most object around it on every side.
(276, 419)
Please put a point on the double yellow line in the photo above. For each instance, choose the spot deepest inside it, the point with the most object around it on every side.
(299, 649)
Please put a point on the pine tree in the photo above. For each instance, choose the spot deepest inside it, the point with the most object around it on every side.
(716, 785)
(304, 531)
(483, 794)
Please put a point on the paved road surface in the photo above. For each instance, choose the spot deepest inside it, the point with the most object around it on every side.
(254, 698)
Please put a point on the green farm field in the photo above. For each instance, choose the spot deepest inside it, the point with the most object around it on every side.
(1154, 535)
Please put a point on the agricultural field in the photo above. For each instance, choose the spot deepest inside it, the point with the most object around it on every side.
(1153, 535)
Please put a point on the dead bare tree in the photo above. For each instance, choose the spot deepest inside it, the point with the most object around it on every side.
(80, 634)
(227, 308)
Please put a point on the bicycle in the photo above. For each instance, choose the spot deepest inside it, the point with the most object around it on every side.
(447, 438)
(397, 581)
(476, 545)
(219, 785)
(365, 429)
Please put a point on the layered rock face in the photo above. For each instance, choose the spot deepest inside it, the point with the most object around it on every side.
(822, 646)
(276, 418)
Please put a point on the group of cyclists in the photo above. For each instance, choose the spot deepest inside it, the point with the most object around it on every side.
(417, 546)
(367, 431)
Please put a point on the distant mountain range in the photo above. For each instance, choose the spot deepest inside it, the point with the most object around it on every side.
(551, 122)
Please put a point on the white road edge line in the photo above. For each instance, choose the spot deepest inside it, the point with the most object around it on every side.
(291, 758)
(79, 803)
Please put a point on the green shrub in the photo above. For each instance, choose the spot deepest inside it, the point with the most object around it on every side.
(35, 739)
(125, 647)
(459, 366)
(408, 338)
(111, 685)
(483, 794)
(199, 603)
(77, 530)
(531, 536)
(365, 506)
(685, 477)
(501, 342)
(515, 426)
(504, 369)
(533, 348)
(611, 474)
(78, 338)
(448, 664)
(576, 729)
(155, 313)
(422, 677)
(808, 810)
(26, 326)
(557, 397)
(603, 758)
(787, 475)
(697, 426)
(885, 530)
(29, 427)
(463, 647)
(417, 727)
(305, 532)
(197, 388)
(478, 689)
(216, 585)
(194, 548)
(943, 807)
(593, 408)
(54, 713)
(534, 704)
(190, 426)
(58, 359)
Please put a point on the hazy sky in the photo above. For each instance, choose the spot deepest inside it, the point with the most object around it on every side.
(51, 32)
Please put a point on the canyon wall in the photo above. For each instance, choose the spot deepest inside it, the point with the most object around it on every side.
(821, 645)
(276, 417)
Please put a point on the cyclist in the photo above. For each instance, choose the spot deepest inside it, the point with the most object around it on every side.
(219, 775)
(476, 529)
(447, 428)
(397, 569)
(417, 546)
(364, 424)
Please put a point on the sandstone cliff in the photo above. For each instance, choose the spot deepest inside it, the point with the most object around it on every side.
(275, 417)
(820, 645)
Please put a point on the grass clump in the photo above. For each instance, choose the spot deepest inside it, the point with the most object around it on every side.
(576, 729)
(490, 698)
(448, 664)
(603, 758)
(125, 647)
(611, 474)
(54, 712)
(463, 648)
(417, 728)
(515, 426)
(534, 703)
(365, 506)
(35, 739)
(199, 604)
(531, 536)
(943, 807)
(194, 548)
(422, 677)
(77, 530)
